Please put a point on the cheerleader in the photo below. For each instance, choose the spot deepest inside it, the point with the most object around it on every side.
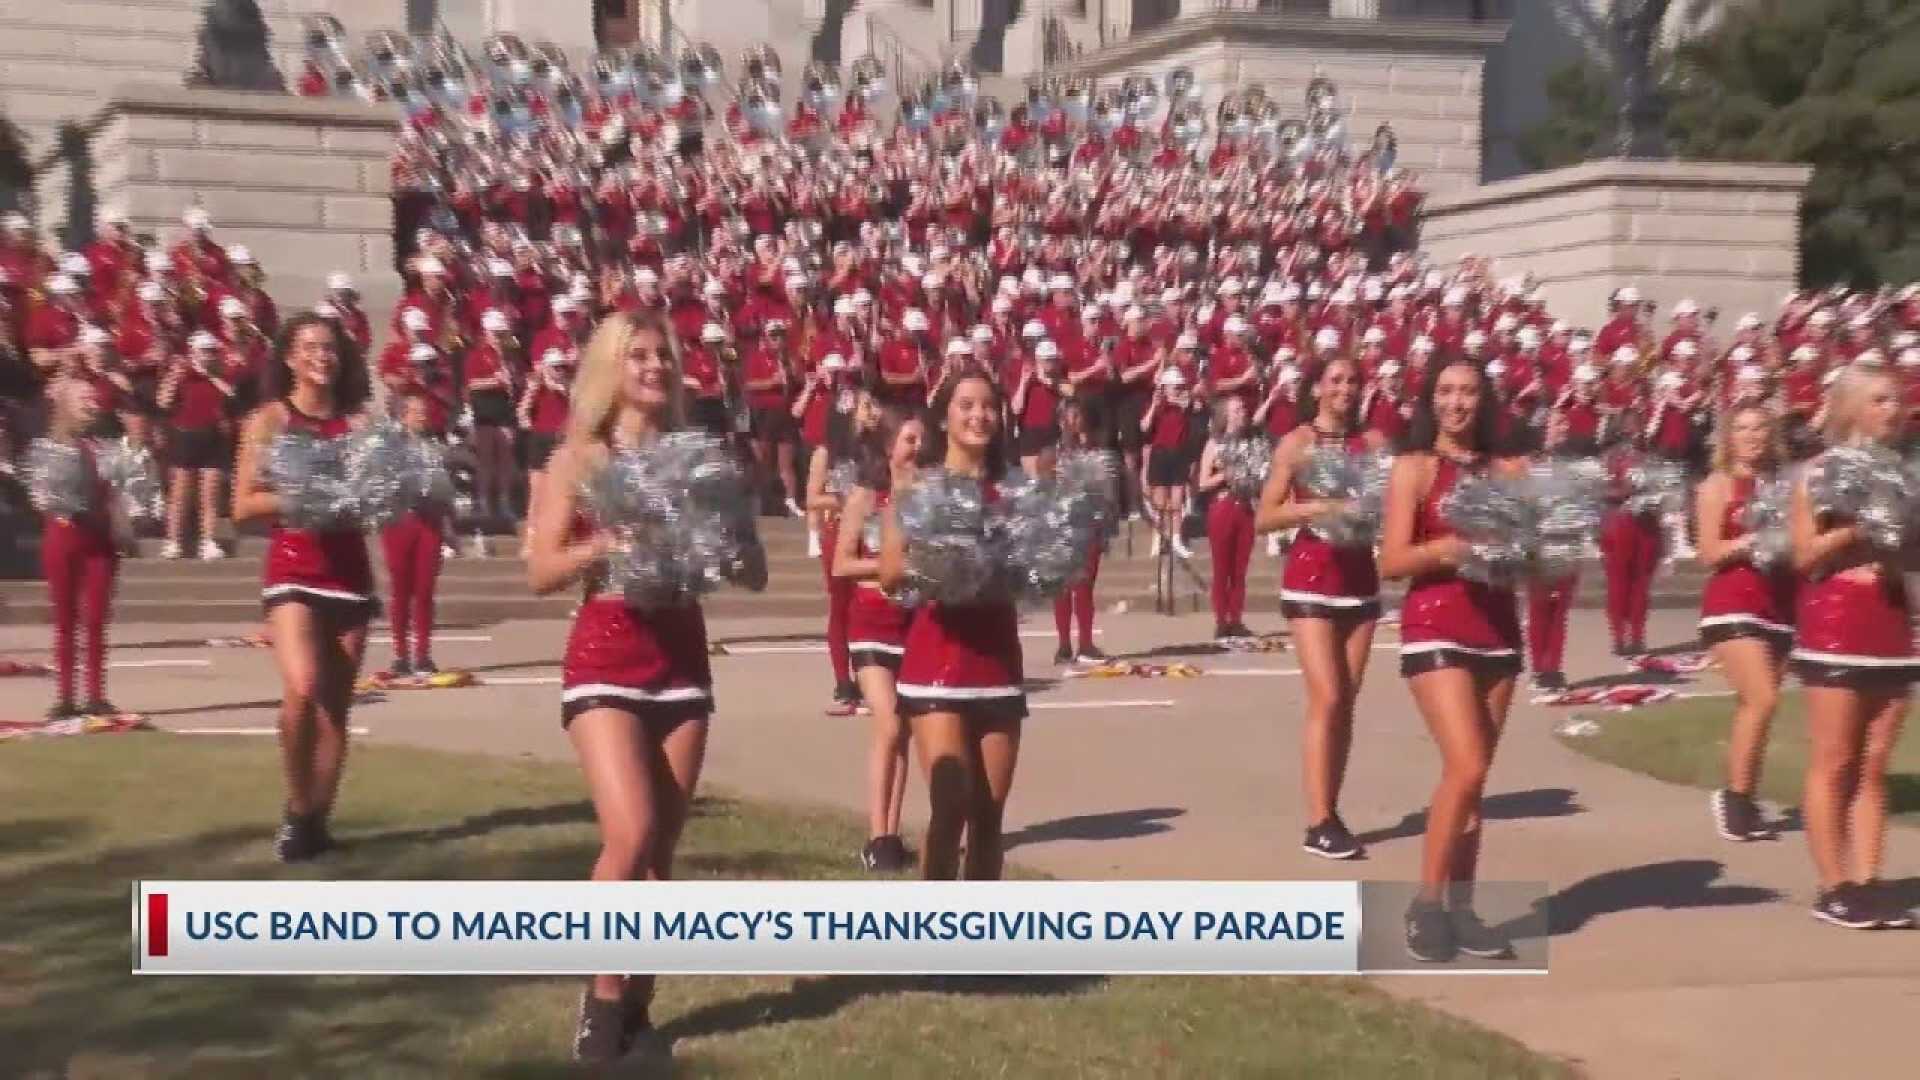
(1229, 522)
(1073, 608)
(1853, 652)
(637, 687)
(318, 585)
(1330, 596)
(960, 682)
(846, 433)
(195, 395)
(413, 547)
(877, 627)
(1746, 614)
(1460, 649)
(78, 555)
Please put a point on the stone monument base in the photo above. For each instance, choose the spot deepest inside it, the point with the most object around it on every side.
(1726, 234)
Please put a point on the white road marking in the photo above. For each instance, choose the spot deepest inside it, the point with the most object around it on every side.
(1062, 706)
(158, 663)
(468, 639)
(1254, 672)
(517, 680)
(766, 650)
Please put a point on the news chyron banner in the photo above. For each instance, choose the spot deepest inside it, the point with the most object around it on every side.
(787, 928)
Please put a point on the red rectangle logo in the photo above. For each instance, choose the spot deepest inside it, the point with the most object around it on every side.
(157, 924)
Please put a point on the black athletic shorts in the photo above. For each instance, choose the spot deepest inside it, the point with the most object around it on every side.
(199, 449)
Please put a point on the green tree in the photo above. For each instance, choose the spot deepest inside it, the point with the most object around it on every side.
(1830, 83)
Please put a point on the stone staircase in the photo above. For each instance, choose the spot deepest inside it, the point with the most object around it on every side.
(492, 589)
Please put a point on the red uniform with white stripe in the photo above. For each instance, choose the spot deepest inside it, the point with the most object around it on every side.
(875, 623)
(304, 565)
(1853, 623)
(1320, 580)
(1444, 611)
(1740, 599)
(623, 657)
(959, 654)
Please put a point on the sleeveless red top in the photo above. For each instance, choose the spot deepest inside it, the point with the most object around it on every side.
(875, 623)
(330, 564)
(1740, 593)
(1444, 610)
(1317, 572)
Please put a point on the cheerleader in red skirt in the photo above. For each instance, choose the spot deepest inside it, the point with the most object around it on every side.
(318, 585)
(1853, 651)
(636, 685)
(877, 629)
(1330, 596)
(1746, 614)
(1073, 608)
(79, 558)
(1460, 648)
(961, 680)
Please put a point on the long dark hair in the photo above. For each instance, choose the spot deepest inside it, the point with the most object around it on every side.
(1309, 407)
(350, 385)
(1423, 429)
(933, 453)
(876, 450)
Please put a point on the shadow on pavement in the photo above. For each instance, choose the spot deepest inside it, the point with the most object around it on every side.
(518, 817)
(32, 835)
(770, 639)
(1118, 825)
(1671, 885)
(1173, 652)
(225, 707)
(815, 998)
(1501, 806)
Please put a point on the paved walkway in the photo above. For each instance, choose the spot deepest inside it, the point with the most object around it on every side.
(1676, 954)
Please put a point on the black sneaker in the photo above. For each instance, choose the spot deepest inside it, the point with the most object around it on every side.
(1091, 655)
(400, 668)
(1736, 817)
(599, 1036)
(99, 707)
(1845, 905)
(1062, 656)
(1222, 632)
(1551, 682)
(1887, 909)
(1331, 840)
(298, 839)
(1429, 933)
(62, 710)
(426, 667)
(884, 855)
(1475, 938)
(1620, 649)
(1240, 629)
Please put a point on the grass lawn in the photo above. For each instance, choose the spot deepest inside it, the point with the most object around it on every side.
(1685, 742)
(80, 818)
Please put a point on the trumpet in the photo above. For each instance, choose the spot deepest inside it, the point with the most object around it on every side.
(760, 64)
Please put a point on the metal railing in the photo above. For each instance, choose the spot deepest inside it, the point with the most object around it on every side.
(907, 66)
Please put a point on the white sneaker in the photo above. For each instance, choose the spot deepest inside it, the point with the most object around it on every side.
(210, 552)
(1182, 550)
(448, 551)
(1273, 545)
(170, 550)
(813, 544)
(794, 509)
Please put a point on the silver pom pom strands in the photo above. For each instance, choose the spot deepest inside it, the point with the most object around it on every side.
(1358, 480)
(368, 478)
(1655, 487)
(943, 517)
(1028, 545)
(1765, 518)
(1541, 525)
(1246, 462)
(1869, 486)
(843, 478)
(683, 514)
(129, 469)
(58, 479)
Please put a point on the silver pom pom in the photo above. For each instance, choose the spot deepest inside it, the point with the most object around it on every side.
(1569, 501)
(1655, 487)
(1246, 462)
(1868, 486)
(1765, 517)
(1359, 482)
(129, 469)
(1495, 516)
(943, 518)
(683, 511)
(380, 470)
(1052, 527)
(309, 473)
(58, 479)
(843, 478)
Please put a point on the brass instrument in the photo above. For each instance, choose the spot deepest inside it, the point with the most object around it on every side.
(760, 64)
(869, 77)
(700, 65)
